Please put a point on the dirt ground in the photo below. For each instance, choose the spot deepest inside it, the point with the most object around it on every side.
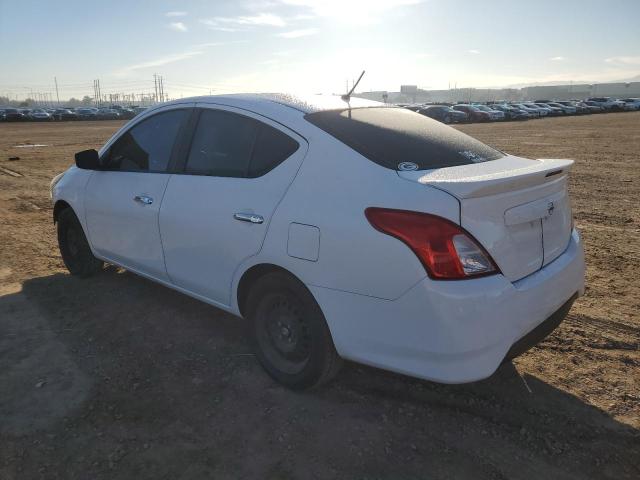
(116, 377)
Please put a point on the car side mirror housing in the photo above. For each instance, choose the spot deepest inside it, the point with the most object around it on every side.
(88, 160)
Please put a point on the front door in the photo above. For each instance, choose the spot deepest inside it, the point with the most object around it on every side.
(123, 200)
(216, 213)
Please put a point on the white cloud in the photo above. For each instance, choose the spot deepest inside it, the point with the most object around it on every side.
(230, 23)
(557, 59)
(305, 32)
(199, 46)
(172, 58)
(175, 14)
(214, 25)
(344, 8)
(473, 51)
(624, 60)
(351, 12)
(178, 27)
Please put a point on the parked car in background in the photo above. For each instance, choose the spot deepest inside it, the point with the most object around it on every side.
(631, 103)
(580, 109)
(3, 116)
(127, 113)
(108, 114)
(451, 258)
(40, 115)
(88, 113)
(473, 112)
(543, 111)
(139, 110)
(124, 113)
(567, 109)
(443, 113)
(511, 112)
(494, 114)
(62, 114)
(595, 107)
(553, 110)
(15, 115)
(608, 103)
(533, 112)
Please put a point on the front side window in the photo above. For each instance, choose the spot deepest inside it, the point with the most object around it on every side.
(226, 144)
(147, 146)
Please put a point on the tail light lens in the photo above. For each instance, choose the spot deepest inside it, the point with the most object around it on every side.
(445, 249)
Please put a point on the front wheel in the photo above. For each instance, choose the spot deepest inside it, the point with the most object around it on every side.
(447, 119)
(74, 248)
(292, 340)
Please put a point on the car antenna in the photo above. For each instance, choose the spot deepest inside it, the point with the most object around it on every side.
(347, 96)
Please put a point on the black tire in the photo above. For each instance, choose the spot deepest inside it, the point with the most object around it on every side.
(74, 248)
(290, 334)
(447, 119)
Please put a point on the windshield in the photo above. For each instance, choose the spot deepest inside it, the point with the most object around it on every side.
(389, 136)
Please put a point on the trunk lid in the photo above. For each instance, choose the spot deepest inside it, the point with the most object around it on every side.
(517, 208)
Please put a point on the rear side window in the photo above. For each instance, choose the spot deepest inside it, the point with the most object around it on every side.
(271, 149)
(147, 146)
(226, 144)
(390, 136)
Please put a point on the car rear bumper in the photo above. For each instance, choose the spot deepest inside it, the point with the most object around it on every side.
(454, 332)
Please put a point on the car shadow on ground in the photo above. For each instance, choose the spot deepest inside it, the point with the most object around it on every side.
(115, 376)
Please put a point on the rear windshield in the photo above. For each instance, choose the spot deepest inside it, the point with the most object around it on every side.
(391, 136)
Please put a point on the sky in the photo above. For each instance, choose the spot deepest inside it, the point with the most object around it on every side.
(202, 47)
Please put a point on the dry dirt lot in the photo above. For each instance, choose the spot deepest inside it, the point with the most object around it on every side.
(116, 377)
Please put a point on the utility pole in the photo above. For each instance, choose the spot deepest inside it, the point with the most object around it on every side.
(155, 85)
(55, 80)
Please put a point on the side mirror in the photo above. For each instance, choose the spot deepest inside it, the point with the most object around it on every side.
(88, 160)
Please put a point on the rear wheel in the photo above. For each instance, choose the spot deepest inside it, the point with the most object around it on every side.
(292, 340)
(74, 248)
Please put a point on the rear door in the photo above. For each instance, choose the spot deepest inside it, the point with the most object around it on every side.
(122, 202)
(215, 213)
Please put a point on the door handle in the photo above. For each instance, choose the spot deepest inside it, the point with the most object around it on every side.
(248, 217)
(144, 199)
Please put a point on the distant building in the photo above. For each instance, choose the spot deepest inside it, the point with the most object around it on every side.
(413, 94)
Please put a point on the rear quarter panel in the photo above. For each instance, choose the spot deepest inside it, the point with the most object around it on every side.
(331, 192)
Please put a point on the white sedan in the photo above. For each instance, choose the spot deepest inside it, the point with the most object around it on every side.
(341, 228)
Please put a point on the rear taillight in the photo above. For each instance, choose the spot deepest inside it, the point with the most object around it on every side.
(446, 250)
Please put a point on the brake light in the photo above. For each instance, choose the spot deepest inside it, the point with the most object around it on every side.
(446, 251)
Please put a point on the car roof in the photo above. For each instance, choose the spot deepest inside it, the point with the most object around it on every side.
(272, 102)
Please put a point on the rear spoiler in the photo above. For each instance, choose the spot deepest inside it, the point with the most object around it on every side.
(490, 178)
